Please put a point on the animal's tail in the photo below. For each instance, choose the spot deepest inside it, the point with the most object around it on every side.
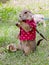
(39, 42)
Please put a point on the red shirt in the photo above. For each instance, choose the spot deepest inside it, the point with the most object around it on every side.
(31, 35)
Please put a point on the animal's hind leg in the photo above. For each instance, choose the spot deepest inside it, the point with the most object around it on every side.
(26, 47)
(33, 45)
(29, 46)
(27, 50)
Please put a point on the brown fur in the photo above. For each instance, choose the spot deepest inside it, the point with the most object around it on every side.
(25, 46)
(24, 25)
(29, 45)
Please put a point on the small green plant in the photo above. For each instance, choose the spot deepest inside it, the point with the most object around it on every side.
(9, 14)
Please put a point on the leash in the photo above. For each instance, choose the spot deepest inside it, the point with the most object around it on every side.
(41, 34)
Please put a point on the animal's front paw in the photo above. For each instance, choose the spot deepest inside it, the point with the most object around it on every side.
(16, 24)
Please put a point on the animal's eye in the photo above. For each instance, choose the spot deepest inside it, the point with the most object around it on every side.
(25, 12)
(20, 16)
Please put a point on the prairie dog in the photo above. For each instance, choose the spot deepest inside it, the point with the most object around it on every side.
(27, 45)
(27, 31)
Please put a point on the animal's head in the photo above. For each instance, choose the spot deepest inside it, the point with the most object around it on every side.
(25, 14)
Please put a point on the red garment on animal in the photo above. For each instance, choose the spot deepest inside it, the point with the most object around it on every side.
(31, 35)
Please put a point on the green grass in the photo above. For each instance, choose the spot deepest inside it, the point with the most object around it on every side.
(9, 32)
(8, 35)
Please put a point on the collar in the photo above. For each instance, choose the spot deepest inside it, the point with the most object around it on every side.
(27, 20)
